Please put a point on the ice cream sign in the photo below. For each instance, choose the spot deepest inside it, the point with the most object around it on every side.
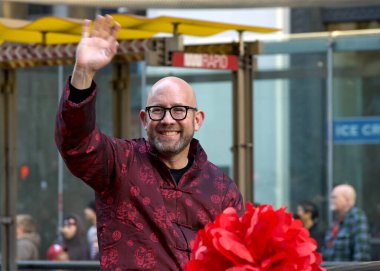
(363, 130)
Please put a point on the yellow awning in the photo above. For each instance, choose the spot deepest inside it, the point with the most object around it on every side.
(55, 30)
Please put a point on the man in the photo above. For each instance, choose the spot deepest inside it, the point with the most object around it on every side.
(152, 196)
(348, 239)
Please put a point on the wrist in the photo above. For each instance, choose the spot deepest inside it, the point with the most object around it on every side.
(82, 77)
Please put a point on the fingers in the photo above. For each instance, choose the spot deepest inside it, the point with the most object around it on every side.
(86, 29)
(105, 27)
(113, 34)
(96, 31)
(115, 29)
(112, 39)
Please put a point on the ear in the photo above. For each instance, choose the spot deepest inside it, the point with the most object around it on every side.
(198, 120)
(143, 118)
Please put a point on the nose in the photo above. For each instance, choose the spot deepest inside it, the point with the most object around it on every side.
(168, 118)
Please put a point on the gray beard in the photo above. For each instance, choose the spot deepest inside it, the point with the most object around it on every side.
(167, 150)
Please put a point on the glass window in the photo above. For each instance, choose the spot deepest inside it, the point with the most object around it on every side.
(289, 102)
(356, 153)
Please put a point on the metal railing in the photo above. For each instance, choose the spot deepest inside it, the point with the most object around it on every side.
(353, 266)
(94, 265)
(48, 265)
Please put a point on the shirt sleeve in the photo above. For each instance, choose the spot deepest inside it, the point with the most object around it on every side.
(361, 239)
(88, 153)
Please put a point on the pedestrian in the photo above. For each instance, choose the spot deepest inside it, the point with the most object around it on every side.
(57, 252)
(348, 238)
(28, 238)
(308, 213)
(92, 238)
(74, 240)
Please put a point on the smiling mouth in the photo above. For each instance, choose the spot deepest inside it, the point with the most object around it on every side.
(169, 133)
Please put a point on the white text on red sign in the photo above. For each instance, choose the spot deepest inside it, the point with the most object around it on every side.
(205, 61)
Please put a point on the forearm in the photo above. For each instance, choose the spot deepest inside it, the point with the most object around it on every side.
(75, 120)
(86, 151)
(82, 77)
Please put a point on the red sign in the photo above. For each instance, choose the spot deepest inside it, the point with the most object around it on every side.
(205, 61)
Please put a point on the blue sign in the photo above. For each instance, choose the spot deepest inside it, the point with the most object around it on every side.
(365, 130)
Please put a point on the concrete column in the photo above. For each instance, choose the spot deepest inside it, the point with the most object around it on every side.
(243, 125)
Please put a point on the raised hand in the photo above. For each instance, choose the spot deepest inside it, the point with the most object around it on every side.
(95, 50)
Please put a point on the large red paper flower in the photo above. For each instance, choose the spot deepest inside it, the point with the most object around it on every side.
(262, 239)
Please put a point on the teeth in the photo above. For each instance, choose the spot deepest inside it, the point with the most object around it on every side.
(169, 133)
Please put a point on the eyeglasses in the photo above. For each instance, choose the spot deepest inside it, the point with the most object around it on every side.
(178, 112)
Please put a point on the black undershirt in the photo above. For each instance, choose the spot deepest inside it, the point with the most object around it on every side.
(79, 95)
(178, 173)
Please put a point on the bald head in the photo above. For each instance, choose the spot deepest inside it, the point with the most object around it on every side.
(348, 192)
(172, 89)
(343, 197)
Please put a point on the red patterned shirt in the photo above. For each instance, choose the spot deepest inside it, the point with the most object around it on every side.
(145, 220)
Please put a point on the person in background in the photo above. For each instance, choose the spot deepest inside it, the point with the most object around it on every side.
(57, 252)
(92, 238)
(74, 240)
(28, 239)
(308, 213)
(348, 238)
(152, 195)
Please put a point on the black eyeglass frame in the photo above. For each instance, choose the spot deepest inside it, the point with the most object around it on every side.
(148, 108)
